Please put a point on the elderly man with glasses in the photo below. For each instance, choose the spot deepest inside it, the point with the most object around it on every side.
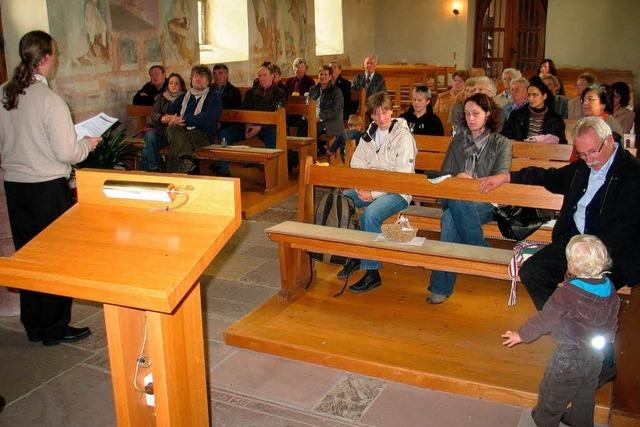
(601, 197)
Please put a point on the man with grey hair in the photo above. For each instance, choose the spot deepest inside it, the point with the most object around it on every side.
(508, 74)
(518, 92)
(601, 197)
(370, 80)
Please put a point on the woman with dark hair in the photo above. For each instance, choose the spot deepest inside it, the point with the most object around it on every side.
(155, 137)
(419, 116)
(475, 152)
(538, 122)
(548, 67)
(620, 96)
(596, 103)
(38, 146)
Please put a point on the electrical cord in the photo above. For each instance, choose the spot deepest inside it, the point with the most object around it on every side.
(142, 360)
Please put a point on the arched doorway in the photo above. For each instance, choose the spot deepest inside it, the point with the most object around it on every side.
(509, 33)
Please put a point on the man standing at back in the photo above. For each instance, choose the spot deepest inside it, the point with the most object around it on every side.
(370, 80)
(157, 84)
(193, 121)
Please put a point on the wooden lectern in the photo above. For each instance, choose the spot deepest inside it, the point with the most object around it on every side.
(144, 267)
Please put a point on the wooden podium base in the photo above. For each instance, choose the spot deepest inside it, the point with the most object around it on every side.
(175, 348)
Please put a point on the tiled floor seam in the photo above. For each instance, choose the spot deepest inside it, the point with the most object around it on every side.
(277, 404)
(374, 400)
(224, 359)
(94, 367)
(47, 381)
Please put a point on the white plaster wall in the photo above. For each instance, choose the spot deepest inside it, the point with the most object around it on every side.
(595, 33)
(18, 18)
(424, 31)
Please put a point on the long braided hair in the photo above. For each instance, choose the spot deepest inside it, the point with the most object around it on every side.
(34, 46)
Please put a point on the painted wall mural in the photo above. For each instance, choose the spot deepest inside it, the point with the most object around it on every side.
(107, 46)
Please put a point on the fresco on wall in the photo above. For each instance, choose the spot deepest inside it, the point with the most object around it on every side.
(107, 46)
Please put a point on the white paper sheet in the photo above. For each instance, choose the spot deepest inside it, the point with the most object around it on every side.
(95, 126)
(416, 241)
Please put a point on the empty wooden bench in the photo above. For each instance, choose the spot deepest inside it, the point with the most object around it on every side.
(274, 160)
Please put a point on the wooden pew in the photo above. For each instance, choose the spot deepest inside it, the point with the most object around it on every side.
(360, 98)
(304, 145)
(296, 238)
(140, 113)
(274, 161)
(568, 76)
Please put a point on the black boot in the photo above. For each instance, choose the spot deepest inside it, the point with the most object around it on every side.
(370, 280)
(350, 266)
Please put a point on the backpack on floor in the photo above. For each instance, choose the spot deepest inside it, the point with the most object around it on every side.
(335, 210)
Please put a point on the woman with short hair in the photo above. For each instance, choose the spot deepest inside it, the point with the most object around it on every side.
(596, 103)
(475, 152)
(448, 99)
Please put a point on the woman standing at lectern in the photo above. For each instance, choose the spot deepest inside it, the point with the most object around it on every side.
(37, 147)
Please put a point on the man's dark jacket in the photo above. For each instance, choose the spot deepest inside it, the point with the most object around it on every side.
(613, 215)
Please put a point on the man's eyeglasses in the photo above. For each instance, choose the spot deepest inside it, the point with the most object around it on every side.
(584, 156)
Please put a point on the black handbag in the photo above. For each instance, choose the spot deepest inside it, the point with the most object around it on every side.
(518, 223)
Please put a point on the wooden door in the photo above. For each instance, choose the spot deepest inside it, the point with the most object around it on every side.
(509, 33)
(3, 63)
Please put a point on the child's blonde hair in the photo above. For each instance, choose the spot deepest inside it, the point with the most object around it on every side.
(587, 257)
(354, 122)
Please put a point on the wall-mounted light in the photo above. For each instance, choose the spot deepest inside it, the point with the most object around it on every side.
(456, 8)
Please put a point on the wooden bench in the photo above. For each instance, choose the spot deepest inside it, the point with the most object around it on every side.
(304, 145)
(140, 113)
(274, 161)
(295, 238)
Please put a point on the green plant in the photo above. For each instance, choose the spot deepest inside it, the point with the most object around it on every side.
(111, 152)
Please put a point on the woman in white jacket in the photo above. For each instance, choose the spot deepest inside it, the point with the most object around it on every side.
(386, 145)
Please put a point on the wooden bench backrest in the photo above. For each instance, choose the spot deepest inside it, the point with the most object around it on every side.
(360, 96)
(277, 118)
(432, 149)
(416, 185)
(140, 113)
(300, 106)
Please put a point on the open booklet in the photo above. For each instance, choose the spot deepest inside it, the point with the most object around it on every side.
(95, 126)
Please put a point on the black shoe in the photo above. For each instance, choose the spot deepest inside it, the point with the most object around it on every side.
(34, 336)
(71, 334)
(370, 280)
(350, 266)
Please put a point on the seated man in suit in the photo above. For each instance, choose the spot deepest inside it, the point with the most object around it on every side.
(157, 84)
(370, 80)
(193, 121)
(230, 95)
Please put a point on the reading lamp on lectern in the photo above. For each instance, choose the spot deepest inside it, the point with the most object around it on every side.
(150, 191)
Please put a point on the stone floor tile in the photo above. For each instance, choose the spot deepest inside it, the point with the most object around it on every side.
(351, 396)
(275, 215)
(80, 397)
(232, 267)
(100, 360)
(252, 231)
(84, 309)
(267, 275)
(229, 311)
(214, 328)
(247, 293)
(274, 378)
(260, 251)
(230, 409)
(25, 365)
(217, 353)
(290, 204)
(409, 406)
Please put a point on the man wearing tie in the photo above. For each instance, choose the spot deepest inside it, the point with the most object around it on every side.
(370, 80)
